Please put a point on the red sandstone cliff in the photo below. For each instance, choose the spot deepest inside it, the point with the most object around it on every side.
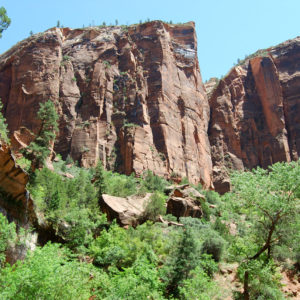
(255, 113)
(130, 96)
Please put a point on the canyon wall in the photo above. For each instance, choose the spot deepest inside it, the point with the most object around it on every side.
(131, 96)
(255, 113)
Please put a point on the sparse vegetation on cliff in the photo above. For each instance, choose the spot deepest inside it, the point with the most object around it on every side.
(40, 148)
(3, 126)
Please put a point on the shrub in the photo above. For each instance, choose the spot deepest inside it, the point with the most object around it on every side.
(7, 237)
(47, 273)
(198, 286)
(120, 185)
(263, 280)
(39, 149)
(206, 210)
(154, 183)
(212, 197)
(214, 245)
(141, 281)
(155, 207)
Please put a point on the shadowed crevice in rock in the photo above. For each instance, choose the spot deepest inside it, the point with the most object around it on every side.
(15, 201)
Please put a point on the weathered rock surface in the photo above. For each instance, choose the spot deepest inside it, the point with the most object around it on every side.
(210, 85)
(127, 211)
(15, 202)
(255, 113)
(185, 201)
(131, 96)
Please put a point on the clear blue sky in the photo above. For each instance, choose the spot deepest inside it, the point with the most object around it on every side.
(226, 29)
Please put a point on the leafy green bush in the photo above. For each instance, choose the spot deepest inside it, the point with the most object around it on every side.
(120, 185)
(82, 224)
(7, 237)
(264, 279)
(69, 205)
(153, 183)
(39, 149)
(141, 281)
(214, 245)
(212, 197)
(155, 207)
(47, 273)
(119, 248)
(198, 286)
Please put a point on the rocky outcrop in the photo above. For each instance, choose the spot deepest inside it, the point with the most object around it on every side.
(210, 85)
(15, 201)
(255, 113)
(130, 96)
(185, 201)
(127, 211)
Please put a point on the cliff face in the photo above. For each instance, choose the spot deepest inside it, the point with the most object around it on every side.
(255, 113)
(15, 201)
(130, 96)
(133, 97)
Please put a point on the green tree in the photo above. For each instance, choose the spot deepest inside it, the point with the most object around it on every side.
(184, 261)
(152, 182)
(3, 126)
(99, 179)
(271, 200)
(7, 237)
(4, 20)
(199, 286)
(40, 148)
(155, 207)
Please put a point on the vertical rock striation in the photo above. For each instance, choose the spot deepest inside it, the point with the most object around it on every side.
(130, 96)
(255, 113)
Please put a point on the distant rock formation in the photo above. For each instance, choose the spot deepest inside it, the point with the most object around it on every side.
(255, 113)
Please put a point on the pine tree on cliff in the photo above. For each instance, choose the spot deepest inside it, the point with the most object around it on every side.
(40, 148)
(4, 20)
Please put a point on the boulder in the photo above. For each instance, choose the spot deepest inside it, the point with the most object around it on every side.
(185, 201)
(184, 207)
(127, 211)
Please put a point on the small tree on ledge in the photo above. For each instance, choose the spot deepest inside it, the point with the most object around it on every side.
(40, 148)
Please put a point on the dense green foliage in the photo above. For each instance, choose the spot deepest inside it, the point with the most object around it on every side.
(155, 261)
(47, 273)
(7, 237)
